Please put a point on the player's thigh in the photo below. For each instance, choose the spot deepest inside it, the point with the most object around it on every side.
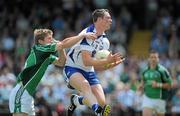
(20, 114)
(147, 111)
(79, 82)
(99, 94)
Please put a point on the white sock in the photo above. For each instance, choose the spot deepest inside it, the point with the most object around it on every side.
(76, 101)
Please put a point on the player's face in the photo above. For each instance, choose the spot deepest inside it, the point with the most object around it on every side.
(153, 58)
(106, 21)
(48, 39)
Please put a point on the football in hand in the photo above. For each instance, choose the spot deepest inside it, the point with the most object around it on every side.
(102, 54)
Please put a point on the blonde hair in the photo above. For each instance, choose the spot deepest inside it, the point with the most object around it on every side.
(41, 34)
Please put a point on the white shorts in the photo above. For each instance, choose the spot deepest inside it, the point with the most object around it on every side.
(158, 105)
(20, 101)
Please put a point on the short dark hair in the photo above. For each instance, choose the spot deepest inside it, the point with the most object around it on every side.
(153, 52)
(40, 34)
(98, 13)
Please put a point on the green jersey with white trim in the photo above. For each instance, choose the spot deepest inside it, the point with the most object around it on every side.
(35, 66)
(160, 75)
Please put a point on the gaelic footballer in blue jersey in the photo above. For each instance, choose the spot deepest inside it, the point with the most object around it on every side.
(81, 65)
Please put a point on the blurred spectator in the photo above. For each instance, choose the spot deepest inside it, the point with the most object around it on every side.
(7, 81)
(22, 23)
(100, 3)
(151, 12)
(21, 49)
(176, 103)
(125, 18)
(42, 108)
(174, 42)
(160, 44)
(2, 58)
(124, 77)
(118, 35)
(58, 23)
(138, 103)
(126, 99)
(7, 40)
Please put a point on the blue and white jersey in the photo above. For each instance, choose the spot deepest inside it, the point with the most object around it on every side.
(74, 57)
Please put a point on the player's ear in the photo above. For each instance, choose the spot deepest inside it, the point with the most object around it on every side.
(40, 41)
(99, 19)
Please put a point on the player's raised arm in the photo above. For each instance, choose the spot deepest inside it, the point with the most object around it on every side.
(70, 41)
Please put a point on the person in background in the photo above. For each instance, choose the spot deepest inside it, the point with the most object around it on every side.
(155, 82)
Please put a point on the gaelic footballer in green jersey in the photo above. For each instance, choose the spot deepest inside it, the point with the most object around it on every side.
(160, 75)
(156, 82)
(21, 102)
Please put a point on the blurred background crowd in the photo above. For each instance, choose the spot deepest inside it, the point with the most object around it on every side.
(138, 25)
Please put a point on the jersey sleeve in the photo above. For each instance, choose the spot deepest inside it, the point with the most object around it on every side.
(46, 48)
(166, 76)
(143, 72)
(53, 58)
(85, 44)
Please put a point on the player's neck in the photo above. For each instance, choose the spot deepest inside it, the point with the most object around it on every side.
(153, 66)
(99, 29)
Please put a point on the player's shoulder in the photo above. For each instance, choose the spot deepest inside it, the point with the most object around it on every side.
(161, 68)
(45, 48)
(145, 68)
(90, 28)
(86, 41)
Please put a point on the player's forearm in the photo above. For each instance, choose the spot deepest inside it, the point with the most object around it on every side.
(69, 42)
(61, 59)
(99, 68)
(105, 67)
(164, 85)
(62, 56)
(95, 62)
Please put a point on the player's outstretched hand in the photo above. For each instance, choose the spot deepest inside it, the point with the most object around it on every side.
(115, 58)
(90, 35)
(119, 60)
